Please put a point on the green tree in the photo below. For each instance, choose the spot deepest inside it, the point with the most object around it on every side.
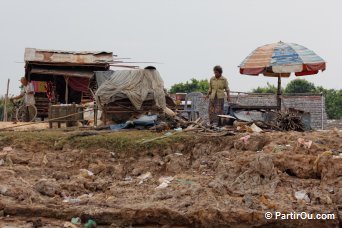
(300, 86)
(9, 108)
(333, 102)
(267, 89)
(193, 85)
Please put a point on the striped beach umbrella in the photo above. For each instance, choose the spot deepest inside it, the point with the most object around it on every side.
(280, 60)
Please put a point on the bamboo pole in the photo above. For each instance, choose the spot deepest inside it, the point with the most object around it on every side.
(5, 102)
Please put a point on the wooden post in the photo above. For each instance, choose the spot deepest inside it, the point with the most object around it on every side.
(5, 102)
(95, 114)
(66, 89)
(49, 115)
(322, 110)
(279, 93)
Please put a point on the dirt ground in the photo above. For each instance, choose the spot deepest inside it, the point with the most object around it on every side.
(183, 180)
(22, 126)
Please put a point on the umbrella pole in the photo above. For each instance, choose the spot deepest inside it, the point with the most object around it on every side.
(279, 93)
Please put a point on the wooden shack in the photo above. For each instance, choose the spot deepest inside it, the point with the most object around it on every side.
(62, 76)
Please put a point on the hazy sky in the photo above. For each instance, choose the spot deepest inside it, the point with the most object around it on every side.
(188, 37)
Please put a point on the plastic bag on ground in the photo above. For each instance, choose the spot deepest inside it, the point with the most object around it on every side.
(302, 195)
(255, 128)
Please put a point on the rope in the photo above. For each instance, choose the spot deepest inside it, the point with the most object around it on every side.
(33, 123)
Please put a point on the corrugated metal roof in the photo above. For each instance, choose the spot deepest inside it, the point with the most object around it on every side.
(53, 56)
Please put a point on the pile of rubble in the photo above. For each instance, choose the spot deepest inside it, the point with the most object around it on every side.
(228, 125)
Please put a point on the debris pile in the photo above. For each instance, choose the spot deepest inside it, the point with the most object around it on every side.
(284, 121)
(289, 121)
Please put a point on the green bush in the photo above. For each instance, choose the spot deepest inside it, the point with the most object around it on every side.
(193, 86)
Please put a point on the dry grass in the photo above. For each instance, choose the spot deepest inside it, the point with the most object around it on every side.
(126, 140)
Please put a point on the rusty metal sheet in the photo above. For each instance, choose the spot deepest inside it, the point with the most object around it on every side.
(70, 73)
(52, 56)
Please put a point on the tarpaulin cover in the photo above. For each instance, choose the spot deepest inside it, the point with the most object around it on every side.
(136, 85)
(102, 76)
(79, 84)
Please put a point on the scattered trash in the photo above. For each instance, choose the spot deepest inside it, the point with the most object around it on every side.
(7, 149)
(302, 195)
(90, 224)
(112, 154)
(255, 128)
(168, 134)
(85, 196)
(144, 177)
(331, 191)
(302, 142)
(69, 225)
(243, 127)
(337, 156)
(118, 127)
(178, 129)
(245, 139)
(162, 185)
(179, 154)
(86, 173)
(2, 162)
(71, 200)
(76, 221)
(157, 138)
(146, 120)
(164, 182)
(165, 179)
(128, 178)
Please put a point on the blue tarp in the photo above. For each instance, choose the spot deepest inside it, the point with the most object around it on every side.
(142, 121)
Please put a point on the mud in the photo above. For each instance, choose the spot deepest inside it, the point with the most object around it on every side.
(216, 182)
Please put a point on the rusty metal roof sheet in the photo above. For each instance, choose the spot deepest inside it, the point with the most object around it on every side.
(52, 56)
(70, 73)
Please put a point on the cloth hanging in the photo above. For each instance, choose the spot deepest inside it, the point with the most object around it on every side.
(50, 90)
(39, 86)
(79, 84)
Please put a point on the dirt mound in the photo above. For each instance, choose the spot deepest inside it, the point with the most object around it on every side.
(200, 181)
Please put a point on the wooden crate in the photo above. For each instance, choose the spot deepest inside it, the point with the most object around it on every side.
(69, 114)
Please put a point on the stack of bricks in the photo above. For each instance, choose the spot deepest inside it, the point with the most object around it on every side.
(310, 103)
